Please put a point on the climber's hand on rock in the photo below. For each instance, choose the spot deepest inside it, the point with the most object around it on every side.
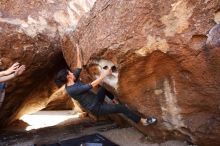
(77, 49)
(107, 72)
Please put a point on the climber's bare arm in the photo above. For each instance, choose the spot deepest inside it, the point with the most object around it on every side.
(103, 75)
(79, 57)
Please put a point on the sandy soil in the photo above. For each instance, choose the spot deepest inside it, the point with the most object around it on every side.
(77, 127)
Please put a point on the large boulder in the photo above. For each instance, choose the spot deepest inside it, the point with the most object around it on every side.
(167, 59)
(30, 32)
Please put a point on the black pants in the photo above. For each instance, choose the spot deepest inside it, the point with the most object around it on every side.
(102, 108)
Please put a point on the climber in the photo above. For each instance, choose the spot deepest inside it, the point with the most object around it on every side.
(89, 100)
(12, 72)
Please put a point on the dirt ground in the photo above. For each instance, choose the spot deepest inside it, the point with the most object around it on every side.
(131, 137)
(122, 136)
(74, 128)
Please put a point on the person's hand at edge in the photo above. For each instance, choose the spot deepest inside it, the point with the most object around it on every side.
(12, 69)
(20, 70)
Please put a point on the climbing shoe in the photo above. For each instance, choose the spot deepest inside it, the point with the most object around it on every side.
(150, 121)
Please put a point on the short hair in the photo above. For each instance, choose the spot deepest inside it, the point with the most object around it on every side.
(61, 77)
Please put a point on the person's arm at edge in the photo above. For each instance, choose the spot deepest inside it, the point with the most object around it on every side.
(17, 72)
(10, 70)
(2, 73)
(7, 77)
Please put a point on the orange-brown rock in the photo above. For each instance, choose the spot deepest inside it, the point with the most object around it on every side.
(30, 32)
(167, 55)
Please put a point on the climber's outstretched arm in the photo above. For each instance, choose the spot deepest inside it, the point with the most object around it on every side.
(103, 75)
(79, 57)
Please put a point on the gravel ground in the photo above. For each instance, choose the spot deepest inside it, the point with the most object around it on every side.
(76, 127)
(131, 137)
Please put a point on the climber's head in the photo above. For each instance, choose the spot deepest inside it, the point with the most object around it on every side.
(63, 76)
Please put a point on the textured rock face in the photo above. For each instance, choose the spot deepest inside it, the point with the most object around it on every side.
(167, 55)
(30, 32)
